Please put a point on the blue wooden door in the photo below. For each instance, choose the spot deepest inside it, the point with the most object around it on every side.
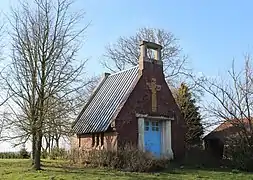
(152, 137)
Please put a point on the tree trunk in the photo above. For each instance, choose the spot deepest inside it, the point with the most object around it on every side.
(52, 143)
(47, 139)
(57, 142)
(33, 147)
(37, 162)
(41, 118)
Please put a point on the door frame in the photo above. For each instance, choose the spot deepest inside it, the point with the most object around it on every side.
(166, 134)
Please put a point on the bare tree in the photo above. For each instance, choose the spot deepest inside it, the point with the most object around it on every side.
(2, 123)
(125, 53)
(4, 97)
(58, 125)
(232, 100)
(89, 89)
(45, 41)
(58, 122)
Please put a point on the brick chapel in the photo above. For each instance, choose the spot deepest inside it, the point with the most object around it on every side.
(133, 106)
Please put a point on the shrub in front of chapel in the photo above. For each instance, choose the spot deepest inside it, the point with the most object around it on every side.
(127, 158)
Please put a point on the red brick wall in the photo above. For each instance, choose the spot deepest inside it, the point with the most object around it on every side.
(85, 141)
(139, 101)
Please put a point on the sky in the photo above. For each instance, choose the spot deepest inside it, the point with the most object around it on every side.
(211, 33)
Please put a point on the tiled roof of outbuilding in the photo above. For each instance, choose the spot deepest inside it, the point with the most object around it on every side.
(228, 128)
(99, 111)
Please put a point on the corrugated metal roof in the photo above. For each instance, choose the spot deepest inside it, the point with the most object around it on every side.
(99, 111)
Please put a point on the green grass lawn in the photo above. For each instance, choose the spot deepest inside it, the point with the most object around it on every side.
(60, 170)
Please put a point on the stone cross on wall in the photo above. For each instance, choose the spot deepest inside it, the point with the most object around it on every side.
(154, 88)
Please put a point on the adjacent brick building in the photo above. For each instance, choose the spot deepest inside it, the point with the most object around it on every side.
(217, 140)
(133, 106)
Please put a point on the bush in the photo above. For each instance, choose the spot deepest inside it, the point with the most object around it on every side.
(10, 155)
(240, 154)
(44, 154)
(23, 153)
(126, 159)
(58, 153)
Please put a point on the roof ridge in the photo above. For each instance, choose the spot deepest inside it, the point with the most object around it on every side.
(124, 70)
